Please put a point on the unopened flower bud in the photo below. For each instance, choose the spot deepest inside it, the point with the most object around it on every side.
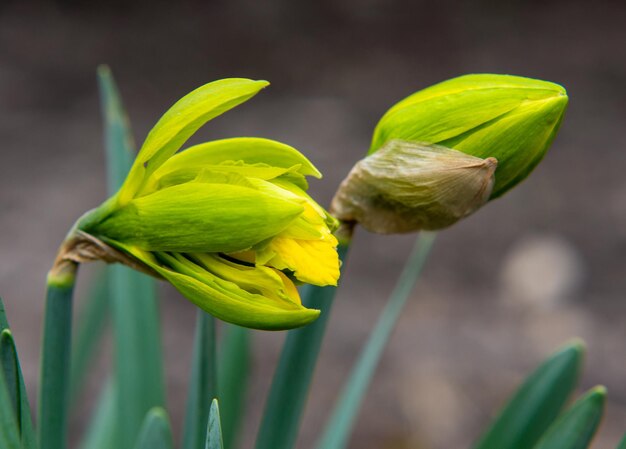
(440, 154)
(511, 118)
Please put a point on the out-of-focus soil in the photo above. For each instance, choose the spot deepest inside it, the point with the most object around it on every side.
(503, 288)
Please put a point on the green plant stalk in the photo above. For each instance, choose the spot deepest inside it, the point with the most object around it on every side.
(232, 380)
(292, 379)
(138, 360)
(91, 324)
(55, 358)
(202, 385)
(342, 420)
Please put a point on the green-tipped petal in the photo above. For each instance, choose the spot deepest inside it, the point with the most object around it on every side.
(510, 118)
(224, 299)
(199, 217)
(181, 121)
(249, 150)
(522, 137)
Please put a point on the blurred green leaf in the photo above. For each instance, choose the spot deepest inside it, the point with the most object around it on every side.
(10, 365)
(4, 323)
(622, 444)
(577, 426)
(91, 325)
(9, 433)
(537, 403)
(214, 431)
(138, 359)
(233, 373)
(101, 433)
(155, 432)
(293, 376)
(202, 388)
(342, 419)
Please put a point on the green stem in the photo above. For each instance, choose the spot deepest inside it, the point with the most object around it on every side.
(202, 385)
(342, 420)
(55, 358)
(292, 379)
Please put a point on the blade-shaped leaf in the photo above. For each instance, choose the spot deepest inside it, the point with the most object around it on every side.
(10, 365)
(4, 323)
(214, 430)
(9, 433)
(622, 444)
(537, 402)
(91, 324)
(202, 388)
(577, 426)
(155, 432)
(138, 359)
(293, 376)
(101, 433)
(233, 372)
(342, 419)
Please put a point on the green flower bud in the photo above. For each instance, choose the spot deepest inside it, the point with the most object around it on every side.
(228, 223)
(510, 118)
(440, 154)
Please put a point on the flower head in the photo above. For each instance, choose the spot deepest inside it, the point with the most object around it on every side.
(443, 152)
(228, 222)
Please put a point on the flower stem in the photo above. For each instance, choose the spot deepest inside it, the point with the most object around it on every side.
(341, 421)
(55, 358)
(292, 379)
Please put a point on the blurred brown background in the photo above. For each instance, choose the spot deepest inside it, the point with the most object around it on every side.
(502, 289)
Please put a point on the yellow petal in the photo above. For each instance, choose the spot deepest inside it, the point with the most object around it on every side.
(312, 261)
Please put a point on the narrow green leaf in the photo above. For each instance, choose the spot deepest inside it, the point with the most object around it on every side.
(537, 403)
(214, 431)
(101, 433)
(341, 421)
(233, 374)
(622, 444)
(55, 367)
(4, 323)
(9, 432)
(576, 427)
(138, 359)
(292, 379)
(155, 432)
(202, 385)
(91, 324)
(10, 365)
